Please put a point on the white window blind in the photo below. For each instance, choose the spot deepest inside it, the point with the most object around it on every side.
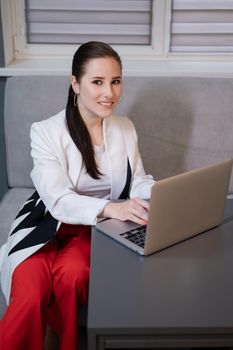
(202, 26)
(74, 22)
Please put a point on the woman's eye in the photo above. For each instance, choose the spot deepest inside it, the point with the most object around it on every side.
(116, 82)
(97, 82)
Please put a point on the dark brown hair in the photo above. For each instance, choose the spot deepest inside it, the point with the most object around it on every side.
(75, 122)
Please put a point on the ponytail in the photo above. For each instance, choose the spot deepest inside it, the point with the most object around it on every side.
(81, 137)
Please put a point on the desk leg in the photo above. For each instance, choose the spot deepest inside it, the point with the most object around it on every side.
(91, 342)
(96, 342)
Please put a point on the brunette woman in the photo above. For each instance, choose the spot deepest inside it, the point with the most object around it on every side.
(84, 157)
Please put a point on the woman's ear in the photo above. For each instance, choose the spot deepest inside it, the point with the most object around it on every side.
(74, 84)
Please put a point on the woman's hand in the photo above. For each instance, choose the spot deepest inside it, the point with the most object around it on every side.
(134, 209)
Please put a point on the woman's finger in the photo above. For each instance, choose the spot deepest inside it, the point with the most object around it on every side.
(145, 204)
(137, 212)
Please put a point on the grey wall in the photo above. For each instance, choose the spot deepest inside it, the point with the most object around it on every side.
(3, 177)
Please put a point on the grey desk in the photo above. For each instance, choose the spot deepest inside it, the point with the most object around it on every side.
(179, 297)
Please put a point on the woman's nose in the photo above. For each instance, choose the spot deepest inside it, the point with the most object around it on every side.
(108, 91)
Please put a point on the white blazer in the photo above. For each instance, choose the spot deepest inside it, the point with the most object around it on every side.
(57, 167)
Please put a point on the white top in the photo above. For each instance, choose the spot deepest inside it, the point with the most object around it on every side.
(98, 188)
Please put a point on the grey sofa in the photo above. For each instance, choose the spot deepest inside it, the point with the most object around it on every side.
(182, 123)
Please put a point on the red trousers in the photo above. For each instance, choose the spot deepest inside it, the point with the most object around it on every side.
(46, 289)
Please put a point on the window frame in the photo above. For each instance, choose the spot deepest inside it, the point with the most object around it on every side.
(155, 59)
(16, 47)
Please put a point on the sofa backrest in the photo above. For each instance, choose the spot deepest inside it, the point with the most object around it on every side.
(182, 123)
(28, 99)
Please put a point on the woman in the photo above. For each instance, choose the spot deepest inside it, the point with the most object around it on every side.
(83, 158)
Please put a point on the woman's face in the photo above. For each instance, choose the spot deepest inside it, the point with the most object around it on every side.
(99, 89)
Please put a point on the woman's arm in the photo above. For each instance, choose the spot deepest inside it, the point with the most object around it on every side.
(54, 186)
(134, 209)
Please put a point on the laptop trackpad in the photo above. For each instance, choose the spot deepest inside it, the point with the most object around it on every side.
(114, 226)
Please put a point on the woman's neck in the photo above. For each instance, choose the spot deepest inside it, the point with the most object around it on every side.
(95, 129)
(93, 123)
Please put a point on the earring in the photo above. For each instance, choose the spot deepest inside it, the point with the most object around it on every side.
(75, 99)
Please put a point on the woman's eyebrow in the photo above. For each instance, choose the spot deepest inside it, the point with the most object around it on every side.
(97, 77)
(102, 78)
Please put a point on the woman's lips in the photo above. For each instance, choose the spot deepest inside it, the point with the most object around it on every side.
(106, 103)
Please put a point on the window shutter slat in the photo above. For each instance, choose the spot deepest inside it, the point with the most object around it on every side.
(202, 28)
(91, 5)
(106, 17)
(202, 4)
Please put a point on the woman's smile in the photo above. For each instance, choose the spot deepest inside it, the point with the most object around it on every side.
(107, 104)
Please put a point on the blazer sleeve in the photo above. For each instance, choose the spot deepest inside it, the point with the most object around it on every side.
(141, 183)
(54, 186)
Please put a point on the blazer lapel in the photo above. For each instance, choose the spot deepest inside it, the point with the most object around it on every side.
(72, 159)
(117, 156)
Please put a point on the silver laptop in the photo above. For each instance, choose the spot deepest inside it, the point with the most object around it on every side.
(180, 207)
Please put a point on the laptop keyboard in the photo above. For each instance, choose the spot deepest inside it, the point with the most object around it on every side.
(136, 235)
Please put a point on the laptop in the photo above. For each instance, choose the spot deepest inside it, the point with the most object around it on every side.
(181, 207)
